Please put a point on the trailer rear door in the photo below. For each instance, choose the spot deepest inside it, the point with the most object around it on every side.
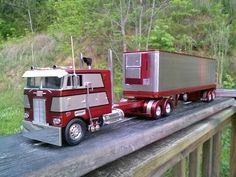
(136, 68)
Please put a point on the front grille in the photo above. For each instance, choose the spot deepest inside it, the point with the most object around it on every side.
(39, 111)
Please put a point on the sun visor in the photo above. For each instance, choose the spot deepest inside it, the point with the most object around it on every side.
(45, 73)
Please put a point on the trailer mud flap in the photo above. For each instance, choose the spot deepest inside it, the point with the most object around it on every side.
(44, 133)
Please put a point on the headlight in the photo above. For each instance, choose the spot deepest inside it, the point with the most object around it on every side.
(56, 121)
(26, 115)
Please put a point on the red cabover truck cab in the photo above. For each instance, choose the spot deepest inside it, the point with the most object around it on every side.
(59, 103)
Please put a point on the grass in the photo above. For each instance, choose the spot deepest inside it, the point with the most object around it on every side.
(11, 112)
(15, 58)
(225, 151)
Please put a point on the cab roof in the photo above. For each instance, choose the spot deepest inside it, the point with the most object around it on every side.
(46, 73)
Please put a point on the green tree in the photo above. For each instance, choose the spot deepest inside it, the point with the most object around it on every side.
(161, 38)
(14, 17)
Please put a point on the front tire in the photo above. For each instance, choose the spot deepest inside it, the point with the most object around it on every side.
(75, 132)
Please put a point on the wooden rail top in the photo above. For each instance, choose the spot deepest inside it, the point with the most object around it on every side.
(226, 93)
(22, 157)
(157, 158)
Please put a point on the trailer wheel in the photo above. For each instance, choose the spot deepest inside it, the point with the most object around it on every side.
(75, 132)
(213, 95)
(209, 97)
(185, 97)
(167, 109)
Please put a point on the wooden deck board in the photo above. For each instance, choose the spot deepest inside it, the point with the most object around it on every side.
(22, 157)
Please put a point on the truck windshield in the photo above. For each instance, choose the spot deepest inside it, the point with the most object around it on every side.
(44, 82)
(33, 82)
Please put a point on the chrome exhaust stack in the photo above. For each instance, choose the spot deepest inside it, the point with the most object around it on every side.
(110, 66)
(81, 63)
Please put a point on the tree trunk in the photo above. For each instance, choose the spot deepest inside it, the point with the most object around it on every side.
(140, 23)
(150, 24)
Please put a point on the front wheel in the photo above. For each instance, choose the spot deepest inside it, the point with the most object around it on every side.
(75, 132)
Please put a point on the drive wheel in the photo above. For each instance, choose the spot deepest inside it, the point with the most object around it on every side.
(158, 112)
(168, 109)
(75, 132)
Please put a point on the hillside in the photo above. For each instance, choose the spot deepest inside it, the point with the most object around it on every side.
(14, 60)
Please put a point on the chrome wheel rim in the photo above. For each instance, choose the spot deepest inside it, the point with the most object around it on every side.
(168, 108)
(158, 111)
(185, 97)
(209, 97)
(213, 95)
(75, 132)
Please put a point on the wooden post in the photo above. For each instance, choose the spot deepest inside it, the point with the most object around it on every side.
(179, 169)
(216, 148)
(207, 158)
(194, 163)
(233, 148)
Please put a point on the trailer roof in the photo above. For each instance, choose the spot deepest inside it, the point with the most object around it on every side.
(162, 51)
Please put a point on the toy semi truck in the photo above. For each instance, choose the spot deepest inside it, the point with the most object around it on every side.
(62, 104)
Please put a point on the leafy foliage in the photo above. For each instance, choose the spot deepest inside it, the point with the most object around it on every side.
(15, 21)
(161, 37)
(229, 82)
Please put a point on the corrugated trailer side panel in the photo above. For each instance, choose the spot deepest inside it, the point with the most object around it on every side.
(169, 74)
(178, 71)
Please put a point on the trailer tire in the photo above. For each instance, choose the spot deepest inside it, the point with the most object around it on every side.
(75, 132)
(185, 97)
(209, 97)
(213, 95)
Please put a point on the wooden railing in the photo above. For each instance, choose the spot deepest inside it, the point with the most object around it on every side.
(200, 144)
(187, 142)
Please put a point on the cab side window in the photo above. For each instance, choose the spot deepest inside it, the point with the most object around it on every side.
(74, 81)
(80, 80)
(69, 81)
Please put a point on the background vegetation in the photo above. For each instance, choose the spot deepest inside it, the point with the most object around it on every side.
(201, 27)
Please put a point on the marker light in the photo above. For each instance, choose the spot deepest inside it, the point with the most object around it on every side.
(26, 115)
(56, 121)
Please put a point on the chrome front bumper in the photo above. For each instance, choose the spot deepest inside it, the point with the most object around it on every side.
(44, 133)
